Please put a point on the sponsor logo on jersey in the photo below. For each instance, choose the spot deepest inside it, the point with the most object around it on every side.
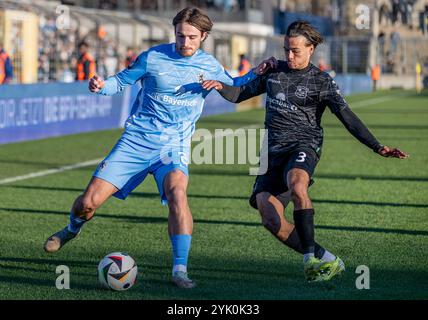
(274, 81)
(280, 96)
(301, 92)
(175, 102)
(280, 103)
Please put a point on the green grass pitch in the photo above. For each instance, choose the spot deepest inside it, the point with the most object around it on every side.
(369, 210)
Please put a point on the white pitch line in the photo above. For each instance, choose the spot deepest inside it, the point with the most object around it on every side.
(96, 161)
(51, 171)
(373, 101)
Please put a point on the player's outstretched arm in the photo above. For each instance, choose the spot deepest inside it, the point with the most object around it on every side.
(263, 68)
(356, 127)
(128, 76)
(237, 94)
(330, 95)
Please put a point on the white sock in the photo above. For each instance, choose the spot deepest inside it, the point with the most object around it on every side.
(328, 256)
(179, 267)
(306, 256)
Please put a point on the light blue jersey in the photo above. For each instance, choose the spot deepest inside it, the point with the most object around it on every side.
(158, 132)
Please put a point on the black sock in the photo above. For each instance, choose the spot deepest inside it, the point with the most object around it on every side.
(304, 222)
(293, 242)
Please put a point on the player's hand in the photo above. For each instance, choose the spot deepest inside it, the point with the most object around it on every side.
(386, 151)
(212, 84)
(265, 65)
(96, 84)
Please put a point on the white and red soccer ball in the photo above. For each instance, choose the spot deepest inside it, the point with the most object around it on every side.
(117, 271)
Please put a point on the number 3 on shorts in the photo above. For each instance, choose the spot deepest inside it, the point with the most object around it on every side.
(302, 157)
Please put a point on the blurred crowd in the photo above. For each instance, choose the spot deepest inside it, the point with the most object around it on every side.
(398, 11)
(59, 54)
(223, 5)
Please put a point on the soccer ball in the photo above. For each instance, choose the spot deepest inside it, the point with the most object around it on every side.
(117, 271)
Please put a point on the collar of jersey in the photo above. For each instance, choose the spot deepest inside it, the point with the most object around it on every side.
(298, 70)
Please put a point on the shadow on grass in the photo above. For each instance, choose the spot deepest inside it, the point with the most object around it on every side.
(153, 195)
(220, 172)
(243, 276)
(164, 220)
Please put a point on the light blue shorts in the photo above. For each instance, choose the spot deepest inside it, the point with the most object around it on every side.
(128, 164)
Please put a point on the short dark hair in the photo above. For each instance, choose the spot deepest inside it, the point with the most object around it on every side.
(305, 29)
(194, 17)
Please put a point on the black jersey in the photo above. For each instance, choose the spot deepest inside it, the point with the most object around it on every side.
(295, 103)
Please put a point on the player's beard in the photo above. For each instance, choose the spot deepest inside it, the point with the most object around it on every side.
(186, 52)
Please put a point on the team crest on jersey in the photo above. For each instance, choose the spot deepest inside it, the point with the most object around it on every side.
(201, 78)
(301, 92)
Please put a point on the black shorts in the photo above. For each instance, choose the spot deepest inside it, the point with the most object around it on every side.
(274, 180)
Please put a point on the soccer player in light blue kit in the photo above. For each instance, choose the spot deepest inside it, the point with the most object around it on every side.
(158, 133)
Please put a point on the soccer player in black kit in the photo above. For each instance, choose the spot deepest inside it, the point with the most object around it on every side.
(297, 96)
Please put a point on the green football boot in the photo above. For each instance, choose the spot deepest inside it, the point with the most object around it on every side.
(313, 268)
(331, 269)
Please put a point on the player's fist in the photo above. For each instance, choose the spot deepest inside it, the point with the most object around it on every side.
(96, 84)
(386, 151)
(212, 84)
(265, 65)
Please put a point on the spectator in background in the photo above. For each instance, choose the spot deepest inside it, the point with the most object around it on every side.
(85, 68)
(418, 77)
(6, 68)
(375, 76)
(394, 40)
(244, 65)
(381, 42)
(130, 56)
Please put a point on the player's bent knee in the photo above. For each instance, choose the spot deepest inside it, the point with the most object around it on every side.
(176, 196)
(299, 192)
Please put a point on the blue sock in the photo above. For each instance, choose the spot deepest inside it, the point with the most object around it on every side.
(76, 223)
(180, 250)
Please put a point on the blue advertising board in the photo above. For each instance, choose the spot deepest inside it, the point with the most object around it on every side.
(38, 111)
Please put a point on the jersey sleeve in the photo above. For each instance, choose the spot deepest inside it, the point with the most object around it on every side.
(357, 128)
(223, 76)
(129, 76)
(330, 95)
(237, 94)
